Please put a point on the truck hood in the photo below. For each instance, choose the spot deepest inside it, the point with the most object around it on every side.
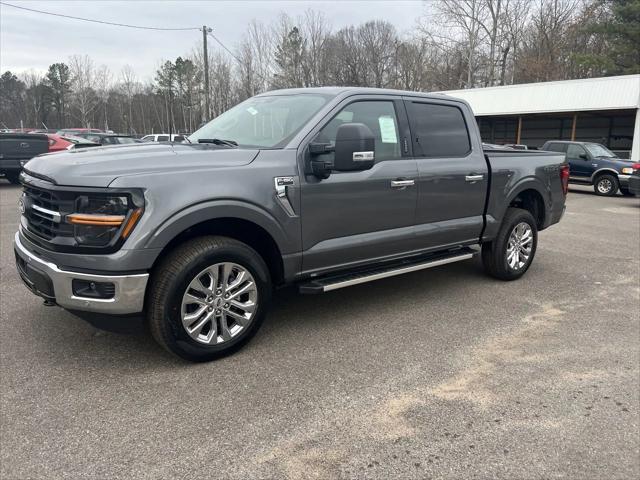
(98, 167)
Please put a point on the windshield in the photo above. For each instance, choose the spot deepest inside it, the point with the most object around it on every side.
(267, 122)
(125, 140)
(597, 150)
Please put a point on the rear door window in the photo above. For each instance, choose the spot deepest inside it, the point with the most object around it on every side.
(163, 138)
(438, 130)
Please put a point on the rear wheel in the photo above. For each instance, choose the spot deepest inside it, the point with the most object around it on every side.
(606, 185)
(208, 298)
(509, 256)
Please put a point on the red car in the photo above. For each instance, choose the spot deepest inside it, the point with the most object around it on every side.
(58, 143)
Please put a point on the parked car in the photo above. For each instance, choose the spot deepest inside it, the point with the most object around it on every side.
(16, 149)
(634, 181)
(350, 185)
(163, 137)
(75, 131)
(58, 143)
(108, 138)
(594, 164)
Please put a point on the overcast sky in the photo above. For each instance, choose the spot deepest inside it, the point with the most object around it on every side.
(33, 41)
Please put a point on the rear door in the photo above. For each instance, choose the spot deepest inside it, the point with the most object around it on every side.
(452, 173)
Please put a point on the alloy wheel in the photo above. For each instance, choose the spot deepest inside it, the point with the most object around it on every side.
(219, 303)
(519, 246)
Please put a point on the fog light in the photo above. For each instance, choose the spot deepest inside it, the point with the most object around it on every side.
(89, 289)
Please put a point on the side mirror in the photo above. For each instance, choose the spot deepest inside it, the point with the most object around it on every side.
(355, 147)
(583, 156)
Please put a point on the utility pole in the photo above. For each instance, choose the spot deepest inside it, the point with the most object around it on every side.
(207, 111)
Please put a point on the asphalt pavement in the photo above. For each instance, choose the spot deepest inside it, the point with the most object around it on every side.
(444, 373)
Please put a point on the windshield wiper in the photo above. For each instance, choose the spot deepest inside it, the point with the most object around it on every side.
(218, 141)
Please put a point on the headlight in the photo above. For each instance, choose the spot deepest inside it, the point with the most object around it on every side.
(101, 220)
(627, 170)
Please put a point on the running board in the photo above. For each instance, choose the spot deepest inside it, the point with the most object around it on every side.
(326, 284)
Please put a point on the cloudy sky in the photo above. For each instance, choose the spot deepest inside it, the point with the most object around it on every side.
(33, 41)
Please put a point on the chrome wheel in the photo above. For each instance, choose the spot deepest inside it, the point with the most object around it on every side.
(219, 303)
(519, 246)
(604, 186)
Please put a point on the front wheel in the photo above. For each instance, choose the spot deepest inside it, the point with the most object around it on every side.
(606, 185)
(208, 298)
(510, 254)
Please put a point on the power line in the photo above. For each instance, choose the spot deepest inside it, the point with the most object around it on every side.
(95, 21)
(223, 46)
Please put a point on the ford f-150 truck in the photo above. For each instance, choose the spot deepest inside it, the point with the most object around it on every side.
(323, 188)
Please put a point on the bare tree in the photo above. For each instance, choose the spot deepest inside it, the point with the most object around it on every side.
(464, 19)
(316, 30)
(378, 40)
(129, 86)
(83, 78)
(103, 86)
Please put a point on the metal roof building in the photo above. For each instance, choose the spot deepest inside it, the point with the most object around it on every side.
(604, 110)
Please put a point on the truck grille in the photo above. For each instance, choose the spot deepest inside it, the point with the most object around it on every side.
(45, 211)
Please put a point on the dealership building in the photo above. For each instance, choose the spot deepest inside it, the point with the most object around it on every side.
(604, 110)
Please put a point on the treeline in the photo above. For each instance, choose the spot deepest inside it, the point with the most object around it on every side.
(456, 44)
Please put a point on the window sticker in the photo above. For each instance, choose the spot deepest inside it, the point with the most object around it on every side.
(388, 129)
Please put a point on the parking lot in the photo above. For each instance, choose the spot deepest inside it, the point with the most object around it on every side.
(444, 373)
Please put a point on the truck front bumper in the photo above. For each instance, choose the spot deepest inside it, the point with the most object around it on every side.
(125, 293)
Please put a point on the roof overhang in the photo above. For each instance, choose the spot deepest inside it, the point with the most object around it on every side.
(606, 93)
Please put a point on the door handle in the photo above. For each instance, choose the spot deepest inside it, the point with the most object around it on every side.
(402, 183)
(473, 178)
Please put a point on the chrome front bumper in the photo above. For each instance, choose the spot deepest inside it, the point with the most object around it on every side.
(129, 289)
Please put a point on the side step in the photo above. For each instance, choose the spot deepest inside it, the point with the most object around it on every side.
(336, 281)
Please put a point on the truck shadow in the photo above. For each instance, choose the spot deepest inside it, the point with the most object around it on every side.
(127, 342)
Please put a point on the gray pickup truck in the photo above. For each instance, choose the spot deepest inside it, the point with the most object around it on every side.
(323, 188)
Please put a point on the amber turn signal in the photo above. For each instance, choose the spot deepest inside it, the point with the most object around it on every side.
(95, 220)
(133, 219)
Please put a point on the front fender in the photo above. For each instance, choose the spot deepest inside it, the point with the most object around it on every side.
(211, 210)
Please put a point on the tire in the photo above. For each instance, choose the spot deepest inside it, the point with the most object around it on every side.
(625, 192)
(495, 255)
(176, 293)
(13, 177)
(606, 185)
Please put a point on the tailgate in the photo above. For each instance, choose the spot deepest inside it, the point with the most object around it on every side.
(22, 146)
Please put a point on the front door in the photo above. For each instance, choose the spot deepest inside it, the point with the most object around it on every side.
(452, 174)
(359, 216)
(579, 162)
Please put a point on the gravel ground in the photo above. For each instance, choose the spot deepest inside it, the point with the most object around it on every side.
(444, 373)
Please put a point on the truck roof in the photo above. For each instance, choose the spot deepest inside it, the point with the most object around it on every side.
(337, 91)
